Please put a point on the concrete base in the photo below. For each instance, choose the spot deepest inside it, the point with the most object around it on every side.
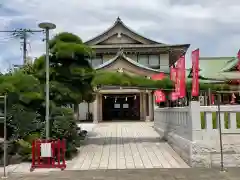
(148, 119)
(203, 154)
(180, 145)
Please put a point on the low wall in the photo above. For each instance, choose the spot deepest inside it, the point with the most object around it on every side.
(193, 133)
(83, 110)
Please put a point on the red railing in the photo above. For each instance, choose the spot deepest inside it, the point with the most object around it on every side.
(53, 156)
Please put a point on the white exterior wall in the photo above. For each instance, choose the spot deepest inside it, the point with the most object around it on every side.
(83, 109)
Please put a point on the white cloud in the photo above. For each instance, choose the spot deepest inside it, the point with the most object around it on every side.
(207, 24)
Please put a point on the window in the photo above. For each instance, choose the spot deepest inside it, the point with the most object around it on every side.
(96, 61)
(132, 56)
(164, 61)
(143, 59)
(153, 60)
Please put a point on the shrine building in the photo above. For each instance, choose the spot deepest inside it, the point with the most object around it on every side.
(121, 49)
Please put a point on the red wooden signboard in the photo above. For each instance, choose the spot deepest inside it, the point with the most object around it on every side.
(48, 154)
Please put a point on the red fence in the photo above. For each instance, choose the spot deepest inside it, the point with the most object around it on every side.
(48, 154)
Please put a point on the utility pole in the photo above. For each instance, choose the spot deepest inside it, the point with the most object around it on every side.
(22, 34)
(24, 47)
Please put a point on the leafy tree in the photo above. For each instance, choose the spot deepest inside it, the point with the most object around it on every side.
(70, 83)
(23, 102)
(70, 73)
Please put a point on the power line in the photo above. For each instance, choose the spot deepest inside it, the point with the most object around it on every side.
(22, 34)
(4, 40)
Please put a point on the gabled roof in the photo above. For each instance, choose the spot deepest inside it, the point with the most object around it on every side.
(230, 64)
(106, 34)
(120, 54)
(217, 68)
(211, 66)
(142, 45)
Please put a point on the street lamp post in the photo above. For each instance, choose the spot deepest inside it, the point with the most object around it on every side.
(5, 136)
(47, 26)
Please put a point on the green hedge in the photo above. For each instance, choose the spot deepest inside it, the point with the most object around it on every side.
(124, 79)
(214, 120)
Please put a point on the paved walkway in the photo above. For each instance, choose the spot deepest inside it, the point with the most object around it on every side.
(125, 145)
(117, 145)
(135, 174)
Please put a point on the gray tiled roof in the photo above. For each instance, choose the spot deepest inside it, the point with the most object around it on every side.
(121, 54)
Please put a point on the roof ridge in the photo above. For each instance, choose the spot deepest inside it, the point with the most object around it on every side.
(232, 62)
(119, 21)
(216, 57)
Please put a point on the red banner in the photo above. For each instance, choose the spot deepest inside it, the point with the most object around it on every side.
(158, 76)
(182, 75)
(195, 72)
(213, 99)
(159, 95)
(178, 80)
(238, 56)
(174, 96)
(181, 78)
(173, 74)
(173, 77)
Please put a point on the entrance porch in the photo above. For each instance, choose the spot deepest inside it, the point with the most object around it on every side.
(123, 104)
(121, 107)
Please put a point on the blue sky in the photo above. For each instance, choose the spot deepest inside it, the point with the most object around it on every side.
(211, 25)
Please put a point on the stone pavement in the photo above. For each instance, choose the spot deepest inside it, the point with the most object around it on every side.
(118, 145)
(125, 145)
(135, 174)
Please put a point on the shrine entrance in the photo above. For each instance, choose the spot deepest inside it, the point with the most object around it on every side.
(120, 107)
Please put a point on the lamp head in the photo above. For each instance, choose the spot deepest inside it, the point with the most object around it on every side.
(47, 25)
